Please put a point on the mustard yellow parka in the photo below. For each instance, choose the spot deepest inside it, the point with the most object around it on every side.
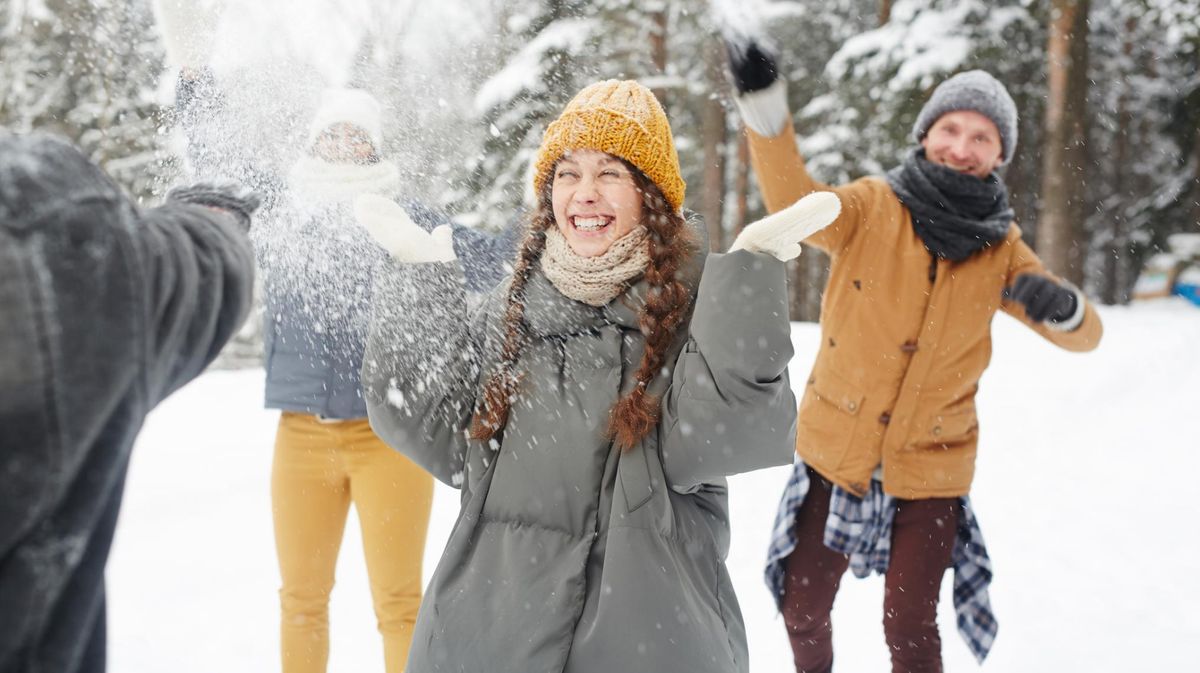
(904, 339)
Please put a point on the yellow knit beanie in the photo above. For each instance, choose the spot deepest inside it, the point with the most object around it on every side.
(621, 118)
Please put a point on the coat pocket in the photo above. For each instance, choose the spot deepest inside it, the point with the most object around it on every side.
(829, 416)
(657, 608)
(832, 390)
(947, 430)
(505, 597)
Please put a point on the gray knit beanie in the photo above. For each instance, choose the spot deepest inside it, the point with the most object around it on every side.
(977, 91)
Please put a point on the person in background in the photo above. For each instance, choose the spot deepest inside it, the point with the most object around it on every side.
(107, 309)
(922, 259)
(317, 265)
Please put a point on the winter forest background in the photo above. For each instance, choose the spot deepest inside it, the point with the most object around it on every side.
(1085, 470)
(1107, 165)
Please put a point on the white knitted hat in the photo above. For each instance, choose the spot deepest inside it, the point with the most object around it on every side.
(350, 106)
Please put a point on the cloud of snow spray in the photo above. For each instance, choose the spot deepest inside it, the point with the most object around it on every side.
(272, 61)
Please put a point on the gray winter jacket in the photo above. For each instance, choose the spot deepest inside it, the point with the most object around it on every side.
(104, 311)
(569, 555)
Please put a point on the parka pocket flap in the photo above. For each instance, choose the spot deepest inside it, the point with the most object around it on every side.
(839, 393)
(636, 483)
(952, 426)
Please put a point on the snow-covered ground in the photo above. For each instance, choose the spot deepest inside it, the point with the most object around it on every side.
(1085, 490)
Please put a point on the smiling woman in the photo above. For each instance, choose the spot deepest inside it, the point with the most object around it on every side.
(596, 200)
(592, 408)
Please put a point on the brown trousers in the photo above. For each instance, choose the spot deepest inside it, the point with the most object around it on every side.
(922, 543)
(319, 469)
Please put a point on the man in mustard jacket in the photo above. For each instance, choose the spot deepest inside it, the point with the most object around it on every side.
(922, 258)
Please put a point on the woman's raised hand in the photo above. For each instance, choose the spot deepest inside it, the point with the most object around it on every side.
(395, 232)
(188, 29)
(779, 235)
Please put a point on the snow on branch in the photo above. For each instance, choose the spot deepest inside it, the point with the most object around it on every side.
(921, 43)
(524, 72)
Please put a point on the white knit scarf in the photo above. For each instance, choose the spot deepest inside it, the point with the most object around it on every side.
(318, 180)
(595, 280)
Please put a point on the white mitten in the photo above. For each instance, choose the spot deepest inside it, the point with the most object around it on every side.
(780, 234)
(394, 231)
(188, 29)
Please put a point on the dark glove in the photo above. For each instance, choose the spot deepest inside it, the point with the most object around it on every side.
(752, 65)
(239, 201)
(1043, 298)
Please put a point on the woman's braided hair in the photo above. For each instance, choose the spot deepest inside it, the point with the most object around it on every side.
(667, 304)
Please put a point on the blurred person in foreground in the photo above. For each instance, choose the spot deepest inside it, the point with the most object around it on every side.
(107, 309)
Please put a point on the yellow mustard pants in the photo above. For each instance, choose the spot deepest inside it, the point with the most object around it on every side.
(319, 469)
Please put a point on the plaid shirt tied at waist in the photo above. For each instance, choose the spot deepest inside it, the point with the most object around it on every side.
(862, 529)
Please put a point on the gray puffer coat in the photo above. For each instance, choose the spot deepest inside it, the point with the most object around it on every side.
(568, 554)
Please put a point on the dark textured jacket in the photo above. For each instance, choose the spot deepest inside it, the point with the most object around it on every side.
(104, 311)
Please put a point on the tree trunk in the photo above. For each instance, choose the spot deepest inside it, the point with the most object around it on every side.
(1113, 289)
(795, 274)
(658, 46)
(713, 133)
(1196, 177)
(1065, 159)
(885, 11)
(808, 275)
(741, 186)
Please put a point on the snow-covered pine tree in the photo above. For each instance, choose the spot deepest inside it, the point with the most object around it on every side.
(1131, 151)
(87, 69)
(540, 43)
(1177, 203)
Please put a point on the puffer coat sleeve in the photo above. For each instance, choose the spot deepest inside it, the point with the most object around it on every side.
(421, 343)
(730, 406)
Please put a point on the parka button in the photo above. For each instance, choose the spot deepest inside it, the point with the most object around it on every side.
(937, 429)
(885, 418)
(852, 406)
(909, 346)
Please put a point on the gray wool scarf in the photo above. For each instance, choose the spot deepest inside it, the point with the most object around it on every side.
(955, 214)
(598, 280)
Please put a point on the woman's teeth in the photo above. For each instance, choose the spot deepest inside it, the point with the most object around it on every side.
(590, 223)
